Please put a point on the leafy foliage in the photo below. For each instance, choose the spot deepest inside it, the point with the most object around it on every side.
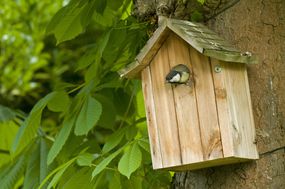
(88, 116)
(60, 139)
(89, 128)
(130, 161)
(23, 60)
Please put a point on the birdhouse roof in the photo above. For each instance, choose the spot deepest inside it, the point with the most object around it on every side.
(197, 35)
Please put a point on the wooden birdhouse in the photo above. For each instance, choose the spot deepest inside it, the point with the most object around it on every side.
(208, 123)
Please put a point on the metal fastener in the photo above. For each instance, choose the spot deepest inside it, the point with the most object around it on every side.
(218, 69)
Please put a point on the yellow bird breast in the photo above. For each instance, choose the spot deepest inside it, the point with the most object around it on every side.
(184, 77)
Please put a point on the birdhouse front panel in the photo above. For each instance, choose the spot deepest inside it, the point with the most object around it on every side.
(205, 120)
(202, 125)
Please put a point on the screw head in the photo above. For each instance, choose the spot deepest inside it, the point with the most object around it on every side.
(218, 69)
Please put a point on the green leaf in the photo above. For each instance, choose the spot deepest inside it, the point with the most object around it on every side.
(66, 23)
(80, 179)
(115, 4)
(6, 114)
(29, 128)
(131, 133)
(88, 58)
(115, 182)
(60, 139)
(88, 12)
(103, 164)
(126, 9)
(8, 132)
(85, 159)
(140, 104)
(101, 5)
(93, 70)
(60, 169)
(88, 116)
(106, 20)
(108, 117)
(144, 144)
(137, 182)
(100, 181)
(115, 47)
(43, 159)
(59, 102)
(103, 43)
(130, 161)
(113, 140)
(10, 175)
(33, 169)
(91, 73)
(57, 176)
(36, 169)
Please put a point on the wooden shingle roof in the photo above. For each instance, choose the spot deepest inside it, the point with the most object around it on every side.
(197, 35)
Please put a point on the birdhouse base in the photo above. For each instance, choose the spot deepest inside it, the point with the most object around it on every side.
(205, 164)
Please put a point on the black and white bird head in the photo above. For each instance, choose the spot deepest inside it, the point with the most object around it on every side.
(179, 74)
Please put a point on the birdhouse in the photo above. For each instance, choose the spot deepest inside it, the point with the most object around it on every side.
(204, 124)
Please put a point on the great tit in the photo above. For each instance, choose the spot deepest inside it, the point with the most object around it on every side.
(179, 74)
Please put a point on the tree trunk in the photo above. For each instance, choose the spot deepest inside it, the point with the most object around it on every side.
(257, 26)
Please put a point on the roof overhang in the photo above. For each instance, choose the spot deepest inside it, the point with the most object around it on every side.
(197, 35)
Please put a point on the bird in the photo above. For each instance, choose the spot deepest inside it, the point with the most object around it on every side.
(179, 74)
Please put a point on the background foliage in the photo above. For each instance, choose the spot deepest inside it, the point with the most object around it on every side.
(67, 120)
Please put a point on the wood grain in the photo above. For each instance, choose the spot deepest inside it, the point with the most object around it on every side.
(239, 102)
(151, 119)
(209, 124)
(223, 108)
(165, 111)
(185, 105)
(251, 130)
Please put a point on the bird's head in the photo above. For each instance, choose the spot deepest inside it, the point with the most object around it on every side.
(178, 74)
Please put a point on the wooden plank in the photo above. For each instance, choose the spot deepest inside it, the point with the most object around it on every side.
(209, 163)
(242, 121)
(151, 119)
(214, 44)
(254, 153)
(185, 102)
(165, 111)
(184, 23)
(230, 57)
(209, 125)
(180, 32)
(223, 108)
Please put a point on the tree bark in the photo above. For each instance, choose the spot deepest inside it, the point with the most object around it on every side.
(257, 26)
(183, 9)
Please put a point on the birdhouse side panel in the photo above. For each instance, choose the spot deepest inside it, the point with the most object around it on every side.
(253, 152)
(165, 110)
(185, 104)
(242, 122)
(151, 119)
(206, 106)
